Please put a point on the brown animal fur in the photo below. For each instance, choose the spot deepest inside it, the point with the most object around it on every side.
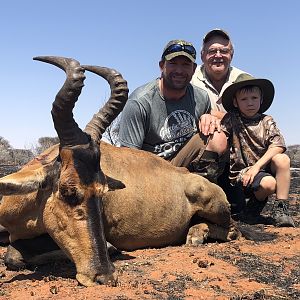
(136, 198)
(153, 211)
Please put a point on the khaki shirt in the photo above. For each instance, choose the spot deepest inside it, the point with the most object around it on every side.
(199, 79)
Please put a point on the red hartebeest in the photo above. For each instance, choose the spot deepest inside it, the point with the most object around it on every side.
(85, 191)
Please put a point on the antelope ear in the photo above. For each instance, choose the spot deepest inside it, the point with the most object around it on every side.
(114, 184)
(22, 182)
(27, 180)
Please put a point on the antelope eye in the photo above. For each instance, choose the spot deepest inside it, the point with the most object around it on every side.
(79, 214)
(70, 195)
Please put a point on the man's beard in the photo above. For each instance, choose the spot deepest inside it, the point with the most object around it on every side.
(170, 84)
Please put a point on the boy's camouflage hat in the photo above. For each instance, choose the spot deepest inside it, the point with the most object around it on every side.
(244, 80)
(179, 48)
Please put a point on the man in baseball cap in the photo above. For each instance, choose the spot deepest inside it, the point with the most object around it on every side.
(216, 72)
(162, 116)
(214, 75)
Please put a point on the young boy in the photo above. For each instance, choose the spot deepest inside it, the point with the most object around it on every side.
(257, 159)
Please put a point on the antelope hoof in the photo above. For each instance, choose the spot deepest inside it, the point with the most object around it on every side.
(13, 259)
(197, 234)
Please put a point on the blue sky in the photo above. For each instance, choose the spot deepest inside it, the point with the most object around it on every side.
(129, 36)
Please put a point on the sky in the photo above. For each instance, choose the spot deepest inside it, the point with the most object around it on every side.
(129, 36)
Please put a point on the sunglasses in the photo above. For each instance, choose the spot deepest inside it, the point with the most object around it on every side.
(178, 47)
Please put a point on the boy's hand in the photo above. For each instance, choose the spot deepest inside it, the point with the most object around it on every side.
(248, 177)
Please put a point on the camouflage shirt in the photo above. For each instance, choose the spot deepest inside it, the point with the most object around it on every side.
(249, 140)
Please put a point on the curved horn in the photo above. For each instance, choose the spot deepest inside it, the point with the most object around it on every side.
(62, 109)
(115, 104)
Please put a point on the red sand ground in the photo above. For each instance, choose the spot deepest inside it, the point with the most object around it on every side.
(238, 270)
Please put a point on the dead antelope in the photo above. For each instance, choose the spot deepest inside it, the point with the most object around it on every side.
(85, 192)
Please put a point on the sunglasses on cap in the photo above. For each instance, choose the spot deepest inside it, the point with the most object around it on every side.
(179, 47)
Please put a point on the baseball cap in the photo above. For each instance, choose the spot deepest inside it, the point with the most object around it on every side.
(216, 32)
(179, 48)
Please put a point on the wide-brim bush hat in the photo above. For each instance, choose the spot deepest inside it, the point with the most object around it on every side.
(244, 80)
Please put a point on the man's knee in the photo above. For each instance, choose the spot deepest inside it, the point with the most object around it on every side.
(218, 143)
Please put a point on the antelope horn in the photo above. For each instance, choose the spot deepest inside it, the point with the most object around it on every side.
(118, 97)
(62, 109)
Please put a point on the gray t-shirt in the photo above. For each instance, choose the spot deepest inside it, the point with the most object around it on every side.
(151, 123)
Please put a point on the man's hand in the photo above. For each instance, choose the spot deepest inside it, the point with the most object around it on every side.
(208, 124)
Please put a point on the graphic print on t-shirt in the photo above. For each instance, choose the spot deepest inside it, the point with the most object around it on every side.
(178, 127)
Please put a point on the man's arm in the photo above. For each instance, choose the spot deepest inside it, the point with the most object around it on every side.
(132, 125)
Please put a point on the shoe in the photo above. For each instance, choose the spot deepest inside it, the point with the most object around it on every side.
(281, 215)
(252, 219)
(207, 166)
(254, 206)
(251, 213)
